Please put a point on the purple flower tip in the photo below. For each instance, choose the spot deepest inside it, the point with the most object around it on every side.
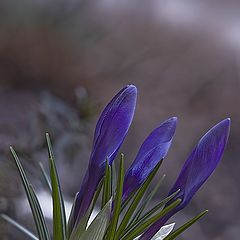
(199, 166)
(110, 132)
(202, 161)
(152, 151)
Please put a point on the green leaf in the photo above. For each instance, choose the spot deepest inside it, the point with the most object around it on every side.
(19, 226)
(59, 217)
(45, 176)
(106, 185)
(97, 228)
(142, 227)
(136, 200)
(39, 220)
(150, 212)
(71, 216)
(117, 201)
(128, 200)
(39, 210)
(80, 227)
(147, 201)
(113, 177)
(181, 229)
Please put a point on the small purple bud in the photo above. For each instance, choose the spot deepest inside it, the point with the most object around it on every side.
(152, 151)
(199, 166)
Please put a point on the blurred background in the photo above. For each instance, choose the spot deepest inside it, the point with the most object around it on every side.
(60, 63)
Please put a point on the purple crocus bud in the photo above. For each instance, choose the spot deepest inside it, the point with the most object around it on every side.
(152, 151)
(199, 166)
(110, 132)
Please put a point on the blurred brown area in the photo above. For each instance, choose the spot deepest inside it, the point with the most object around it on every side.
(183, 56)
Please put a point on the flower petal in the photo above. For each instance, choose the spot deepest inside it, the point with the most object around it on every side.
(202, 162)
(152, 151)
(113, 125)
(199, 166)
(110, 132)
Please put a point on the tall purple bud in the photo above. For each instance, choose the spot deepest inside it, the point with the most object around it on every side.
(110, 132)
(152, 151)
(199, 166)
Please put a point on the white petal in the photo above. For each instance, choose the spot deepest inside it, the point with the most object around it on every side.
(163, 232)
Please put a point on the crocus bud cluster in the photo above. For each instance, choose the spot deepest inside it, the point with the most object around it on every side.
(110, 132)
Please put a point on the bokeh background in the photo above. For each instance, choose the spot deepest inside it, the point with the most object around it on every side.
(61, 61)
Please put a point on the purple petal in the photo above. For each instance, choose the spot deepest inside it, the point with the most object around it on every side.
(152, 151)
(199, 166)
(110, 132)
(113, 125)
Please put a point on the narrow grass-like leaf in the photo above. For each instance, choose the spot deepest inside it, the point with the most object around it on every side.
(142, 227)
(97, 228)
(181, 229)
(59, 217)
(45, 176)
(117, 201)
(150, 212)
(128, 200)
(137, 198)
(147, 201)
(19, 226)
(58, 225)
(113, 177)
(80, 228)
(107, 185)
(71, 216)
(37, 213)
(40, 213)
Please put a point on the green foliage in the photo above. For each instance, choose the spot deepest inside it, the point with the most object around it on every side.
(116, 219)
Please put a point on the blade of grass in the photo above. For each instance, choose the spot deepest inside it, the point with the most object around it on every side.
(107, 185)
(117, 200)
(59, 216)
(150, 212)
(147, 200)
(142, 227)
(128, 200)
(40, 222)
(71, 216)
(45, 176)
(184, 227)
(80, 227)
(19, 226)
(113, 177)
(97, 228)
(39, 210)
(136, 200)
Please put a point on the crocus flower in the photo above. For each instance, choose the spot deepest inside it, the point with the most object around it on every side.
(198, 167)
(110, 132)
(152, 151)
